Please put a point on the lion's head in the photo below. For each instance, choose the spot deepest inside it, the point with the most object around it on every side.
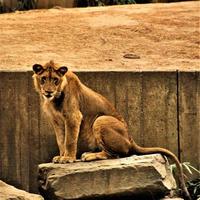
(48, 79)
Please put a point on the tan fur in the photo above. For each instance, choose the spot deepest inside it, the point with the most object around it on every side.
(86, 124)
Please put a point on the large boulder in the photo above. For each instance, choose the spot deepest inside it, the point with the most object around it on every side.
(135, 175)
(8, 192)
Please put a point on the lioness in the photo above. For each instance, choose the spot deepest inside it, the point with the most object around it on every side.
(85, 123)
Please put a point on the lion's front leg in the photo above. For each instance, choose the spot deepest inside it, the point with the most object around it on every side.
(59, 129)
(58, 124)
(72, 129)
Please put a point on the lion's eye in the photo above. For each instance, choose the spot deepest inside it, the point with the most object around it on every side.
(43, 79)
(55, 80)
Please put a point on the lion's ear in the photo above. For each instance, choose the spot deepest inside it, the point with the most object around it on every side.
(62, 70)
(37, 68)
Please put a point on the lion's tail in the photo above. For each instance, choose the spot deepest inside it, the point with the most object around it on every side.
(148, 150)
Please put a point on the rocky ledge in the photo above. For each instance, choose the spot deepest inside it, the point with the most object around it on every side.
(8, 192)
(147, 175)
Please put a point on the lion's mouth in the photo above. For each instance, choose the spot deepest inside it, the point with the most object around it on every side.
(48, 95)
(51, 95)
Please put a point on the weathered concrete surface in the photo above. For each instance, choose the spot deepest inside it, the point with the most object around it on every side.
(133, 175)
(189, 117)
(8, 192)
(161, 109)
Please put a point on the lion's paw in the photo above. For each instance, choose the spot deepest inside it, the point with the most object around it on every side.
(66, 159)
(56, 159)
(88, 156)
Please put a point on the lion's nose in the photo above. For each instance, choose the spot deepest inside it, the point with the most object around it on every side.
(49, 92)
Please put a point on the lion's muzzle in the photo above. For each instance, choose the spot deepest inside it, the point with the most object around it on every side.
(48, 94)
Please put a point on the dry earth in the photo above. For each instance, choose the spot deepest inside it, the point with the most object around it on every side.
(158, 37)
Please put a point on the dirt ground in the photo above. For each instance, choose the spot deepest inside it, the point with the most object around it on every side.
(131, 37)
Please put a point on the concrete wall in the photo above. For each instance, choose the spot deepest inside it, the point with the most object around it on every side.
(161, 108)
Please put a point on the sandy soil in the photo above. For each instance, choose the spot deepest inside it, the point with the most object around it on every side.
(131, 37)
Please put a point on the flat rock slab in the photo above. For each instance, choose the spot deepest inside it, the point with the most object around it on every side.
(134, 175)
(8, 192)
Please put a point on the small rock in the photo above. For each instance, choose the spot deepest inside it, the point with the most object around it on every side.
(131, 56)
(108, 59)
